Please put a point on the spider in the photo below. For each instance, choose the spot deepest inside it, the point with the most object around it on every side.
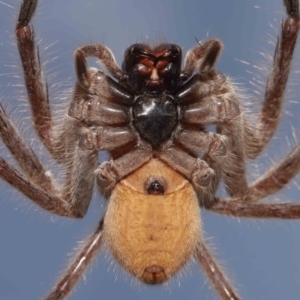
(151, 116)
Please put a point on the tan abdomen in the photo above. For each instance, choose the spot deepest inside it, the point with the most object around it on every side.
(153, 236)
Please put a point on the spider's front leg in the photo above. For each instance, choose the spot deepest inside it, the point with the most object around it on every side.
(270, 114)
(34, 80)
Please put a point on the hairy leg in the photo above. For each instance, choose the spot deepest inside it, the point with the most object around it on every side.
(270, 114)
(78, 265)
(33, 75)
(24, 155)
(270, 183)
(215, 274)
(208, 51)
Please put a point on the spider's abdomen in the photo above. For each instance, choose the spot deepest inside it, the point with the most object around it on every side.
(155, 118)
(151, 235)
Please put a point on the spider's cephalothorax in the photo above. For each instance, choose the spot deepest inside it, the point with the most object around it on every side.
(151, 117)
(153, 74)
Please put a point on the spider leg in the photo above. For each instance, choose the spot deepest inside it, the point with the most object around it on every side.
(218, 106)
(255, 210)
(37, 87)
(275, 179)
(110, 172)
(208, 51)
(103, 102)
(37, 195)
(196, 142)
(215, 274)
(34, 80)
(73, 199)
(197, 171)
(78, 265)
(101, 52)
(270, 183)
(24, 155)
(271, 110)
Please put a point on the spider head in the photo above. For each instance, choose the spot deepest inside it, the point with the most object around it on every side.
(153, 70)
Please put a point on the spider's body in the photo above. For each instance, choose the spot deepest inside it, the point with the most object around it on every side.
(151, 116)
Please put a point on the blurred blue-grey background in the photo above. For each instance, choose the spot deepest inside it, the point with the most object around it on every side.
(262, 256)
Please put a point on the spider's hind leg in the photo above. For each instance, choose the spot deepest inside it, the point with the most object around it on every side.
(215, 274)
(78, 265)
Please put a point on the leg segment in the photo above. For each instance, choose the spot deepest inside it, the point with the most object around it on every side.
(110, 172)
(211, 110)
(70, 202)
(24, 155)
(34, 79)
(209, 53)
(106, 57)
(267, 185)
(197, 171)
(104, 102)
(275, 179)
(256, 210)
(79, 182)
(234, 168)
(198, 142)
(271, 110)
(50, 203)
(215, 274)
(78, 265)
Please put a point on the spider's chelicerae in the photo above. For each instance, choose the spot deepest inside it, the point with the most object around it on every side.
(150, 115)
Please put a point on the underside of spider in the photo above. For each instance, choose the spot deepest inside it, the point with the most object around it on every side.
(151, 116)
